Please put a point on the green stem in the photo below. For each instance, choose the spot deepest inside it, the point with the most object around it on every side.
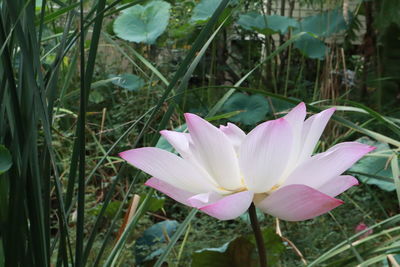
(262, 255)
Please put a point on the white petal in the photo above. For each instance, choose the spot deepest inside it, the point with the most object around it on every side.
(234, 133)
(169, 168)
(215, 152)
(312, 131)
(180, 141)
(296, 120)
(265, 153)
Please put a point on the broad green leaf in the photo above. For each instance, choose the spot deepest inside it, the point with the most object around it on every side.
(111, 209)
(254, 108)
(155, 203)
(240, 252)
(5, 159)
(273, 244)
(150, 244)
(252, 21)
(128, 81)
(281, 23)
(204, 10)
(311, 47)
(96, 97)
(324, 24)
(235, 253)
(375, 165)
(143, 24)
(267, 24)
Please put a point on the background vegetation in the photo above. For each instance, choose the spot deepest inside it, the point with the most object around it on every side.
(81, 81)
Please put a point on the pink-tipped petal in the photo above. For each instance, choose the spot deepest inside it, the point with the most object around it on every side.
(297, 203)
(234, 133)
(229, 207)
(322, 167)
(337, 185)
(214, 151)
(265, 153)
(173, 192)
(312, 131)
(170, 168)
(180, 141)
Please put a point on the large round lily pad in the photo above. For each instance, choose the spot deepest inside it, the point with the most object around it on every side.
(253, 108)
(143, 24)
(128, 81)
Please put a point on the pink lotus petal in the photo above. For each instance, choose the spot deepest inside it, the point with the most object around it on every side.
(265, 153)
(173, 192)
(312, 131)
(297, 203)
(322, 167)
(234, 133)
(170, 168)
(229, 207)
(214, 151)
(337, 185)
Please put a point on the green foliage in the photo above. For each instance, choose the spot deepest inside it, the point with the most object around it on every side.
(155, 202)
(204, 9)
(240, 252)
(111, 209)
(273, 244)
(376, 167)
(324, 24)
(266, 24)
(5, 159)
(311, 47)
(127, 81)
(150, 244)
(235, 253)
(143, 24)
(389, 13)
(253, 108)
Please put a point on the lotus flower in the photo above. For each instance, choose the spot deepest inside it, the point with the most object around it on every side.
(221, 171)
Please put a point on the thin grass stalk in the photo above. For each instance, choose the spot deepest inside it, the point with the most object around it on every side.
(288, 65)
(80, 225)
